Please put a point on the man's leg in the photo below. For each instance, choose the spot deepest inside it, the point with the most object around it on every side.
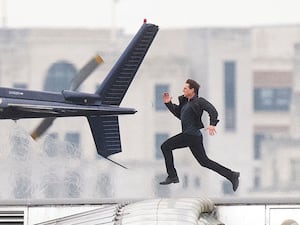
(197, 148)
(175, 142)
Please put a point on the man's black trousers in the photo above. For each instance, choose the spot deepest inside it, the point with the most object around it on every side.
(195, 143)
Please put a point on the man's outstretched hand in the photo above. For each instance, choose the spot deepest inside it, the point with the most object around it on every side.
(166, 97)
(211, 130)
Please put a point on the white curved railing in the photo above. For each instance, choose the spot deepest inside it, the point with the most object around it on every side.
(178, 211)
(183, 211)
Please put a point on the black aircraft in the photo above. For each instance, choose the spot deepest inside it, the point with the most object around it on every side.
(101, 108)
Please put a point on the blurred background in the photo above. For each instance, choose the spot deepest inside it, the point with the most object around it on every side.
(245, 55)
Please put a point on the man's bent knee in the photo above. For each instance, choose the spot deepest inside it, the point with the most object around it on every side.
(164, 147)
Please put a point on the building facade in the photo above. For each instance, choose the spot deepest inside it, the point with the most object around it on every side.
(251, 75)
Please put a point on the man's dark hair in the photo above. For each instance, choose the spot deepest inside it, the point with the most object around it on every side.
(193, 84)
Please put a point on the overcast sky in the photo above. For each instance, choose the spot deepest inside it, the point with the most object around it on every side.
(129, 14)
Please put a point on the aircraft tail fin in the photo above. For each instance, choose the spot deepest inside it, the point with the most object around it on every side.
(106, 134)
(105, 129)
(117, 82)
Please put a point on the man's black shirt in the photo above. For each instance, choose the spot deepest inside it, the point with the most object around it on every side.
(189, 120)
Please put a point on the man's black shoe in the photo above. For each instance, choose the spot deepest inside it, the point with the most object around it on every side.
(170, 180)
(235, 180)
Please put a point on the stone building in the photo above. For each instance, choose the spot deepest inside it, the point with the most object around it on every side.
(249, 74)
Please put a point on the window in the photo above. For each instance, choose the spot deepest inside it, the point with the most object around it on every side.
(197, 182)
(20, 145)
(257, 178)
(230, 108)
(227, 187)
(159, 139)
(185, 181)
(272, 99)
(159, 90)
(20, 85)
(50, 144)
(104, 185)
(72, 184)
(59, 76)
(295, 166)
(22, 186)
(51, 185)
(258, 139)
(74, 139)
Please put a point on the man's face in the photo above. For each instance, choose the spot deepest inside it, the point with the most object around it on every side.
(187, 92)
